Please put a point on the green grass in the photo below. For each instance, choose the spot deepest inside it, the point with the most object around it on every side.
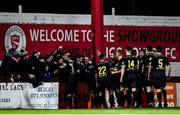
(93, 111)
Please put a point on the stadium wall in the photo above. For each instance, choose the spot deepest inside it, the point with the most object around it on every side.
(35, 31)
(45, 32)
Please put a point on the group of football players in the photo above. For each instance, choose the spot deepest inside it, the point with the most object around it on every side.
(122, 80)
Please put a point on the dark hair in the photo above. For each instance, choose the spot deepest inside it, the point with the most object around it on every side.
(101, 56)
(142, 50)
(159, 49)
(113, 51)
(119, 51)
(149, 48)
(133, 52)
(128, 48)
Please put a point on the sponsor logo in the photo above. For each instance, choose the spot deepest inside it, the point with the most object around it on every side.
(15, 38)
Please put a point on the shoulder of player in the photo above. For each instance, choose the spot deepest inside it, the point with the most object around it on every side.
(161, 56)
(133, 57)
(149, 56)
(106, 62)
(102, 63)
(155, 58)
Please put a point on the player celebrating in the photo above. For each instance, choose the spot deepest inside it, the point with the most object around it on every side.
(148, 76)
(103, 80)
(128, 77)
(116, 72)
(141, 79)
(159, 64)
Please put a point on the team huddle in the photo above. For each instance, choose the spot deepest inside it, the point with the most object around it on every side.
(125, 77)
(116, 83)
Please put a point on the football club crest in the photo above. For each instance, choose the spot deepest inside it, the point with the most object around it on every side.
(15, 38)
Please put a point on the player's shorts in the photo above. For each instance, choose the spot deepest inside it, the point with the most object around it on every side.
(130, 80)
(91, 82)
(115, 81)
(159, 79)
(71, 85)
(104, 82)
(147, 82)
(140, 80)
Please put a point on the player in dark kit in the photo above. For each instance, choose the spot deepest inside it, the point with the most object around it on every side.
(103, 80)
(114, 77)
(71, 86)
(140, 82)
(129, 73)
(116, 72)
(158, 67)
(89, 74)
(148, 76)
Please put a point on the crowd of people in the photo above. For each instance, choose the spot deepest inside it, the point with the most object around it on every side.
(110, 83)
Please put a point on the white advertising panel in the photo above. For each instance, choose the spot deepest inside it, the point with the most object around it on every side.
(23, 95)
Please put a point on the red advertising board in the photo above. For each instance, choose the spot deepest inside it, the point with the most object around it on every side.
(76, 39)
(171, 95)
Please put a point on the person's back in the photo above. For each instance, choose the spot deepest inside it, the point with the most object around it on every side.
(159, 64)
(103, 80)
(131, 63)
(129, 75)
(103, 69)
